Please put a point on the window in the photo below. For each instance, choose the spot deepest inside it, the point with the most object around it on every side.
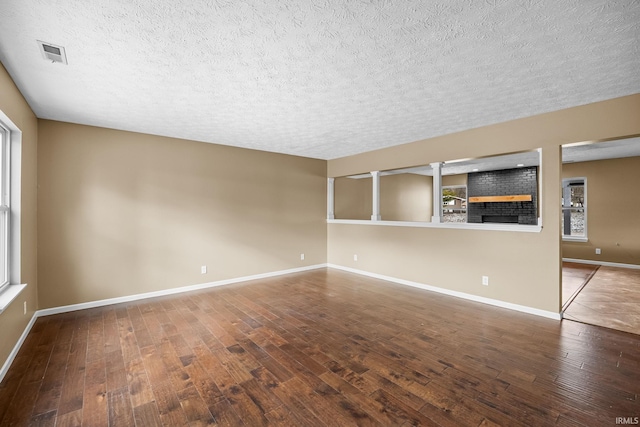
(5, 198)
(574, 208)
(454, 203)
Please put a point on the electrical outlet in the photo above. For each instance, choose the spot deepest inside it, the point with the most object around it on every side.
(485, 280)
(301, 257)
(598, 251)
(355, 257)
(25, 307)
(203, 269)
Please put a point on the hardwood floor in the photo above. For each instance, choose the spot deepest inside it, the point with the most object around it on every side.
(574, 277)
(611, 299)
(321, 348)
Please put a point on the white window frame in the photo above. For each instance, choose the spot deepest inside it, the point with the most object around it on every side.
(565, 184)
(5, 206)
(12, 139)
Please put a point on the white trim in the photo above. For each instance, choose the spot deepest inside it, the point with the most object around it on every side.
(15, 241)
(540, 198)
(16, 348)
(574, 239)
(8, 294)
(604, 263)
(436, 218)
(585, 207)
(129, 298)
(375, 196)
(330, 198)
(5, 205)
(471, 297)
(461, 226)
(15, 151)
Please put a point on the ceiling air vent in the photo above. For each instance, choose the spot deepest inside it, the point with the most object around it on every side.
(52, 52)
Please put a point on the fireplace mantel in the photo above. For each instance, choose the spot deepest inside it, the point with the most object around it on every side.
(511, 198)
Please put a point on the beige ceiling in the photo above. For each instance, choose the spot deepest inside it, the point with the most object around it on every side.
(322, 78)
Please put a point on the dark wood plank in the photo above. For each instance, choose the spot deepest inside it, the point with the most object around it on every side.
(71, 395)
(143, 337)
(48, 396)
(204, 383)
(138, 383)
(224, 414)
(95, 405)
(71, 419)
(48, 419)
(120, 410)
(320, 348)
(19, 410)
(147, 415)
(194, 407)
(171, 413)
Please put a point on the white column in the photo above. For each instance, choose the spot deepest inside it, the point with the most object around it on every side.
(437, 192)
(375, 208)
(330, 198)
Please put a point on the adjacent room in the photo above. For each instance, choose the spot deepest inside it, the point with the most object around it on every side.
(330, 213)
(601, 233)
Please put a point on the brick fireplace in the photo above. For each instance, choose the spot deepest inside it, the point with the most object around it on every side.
(508, 182)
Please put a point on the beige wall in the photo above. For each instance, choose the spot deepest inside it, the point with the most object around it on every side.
(403, 197)
(613, 210)
(451, 180)
(406, 197)
(352, 198)
(524, 268)
(122, 213)
(12, 320)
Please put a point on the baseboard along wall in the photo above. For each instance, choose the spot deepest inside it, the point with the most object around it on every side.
(603, 263)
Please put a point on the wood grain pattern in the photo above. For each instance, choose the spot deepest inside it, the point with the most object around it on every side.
(610, 298)
(321, 348)
(574, 277)
(494, 199)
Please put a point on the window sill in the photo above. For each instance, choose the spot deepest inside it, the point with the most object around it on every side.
(574, 239)
(8, 294)
(451, 225)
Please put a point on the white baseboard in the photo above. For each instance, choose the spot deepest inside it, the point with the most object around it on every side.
(136, 297)
(471, 297)
(604, 263)
(16, 348)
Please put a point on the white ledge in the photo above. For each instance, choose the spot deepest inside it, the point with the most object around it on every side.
(574, 239)
(8, 294)
(459, 226)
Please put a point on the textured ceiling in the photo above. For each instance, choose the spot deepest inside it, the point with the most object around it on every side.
(317, 78)
(586, 152)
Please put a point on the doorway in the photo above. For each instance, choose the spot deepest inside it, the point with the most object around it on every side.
(601, 233)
